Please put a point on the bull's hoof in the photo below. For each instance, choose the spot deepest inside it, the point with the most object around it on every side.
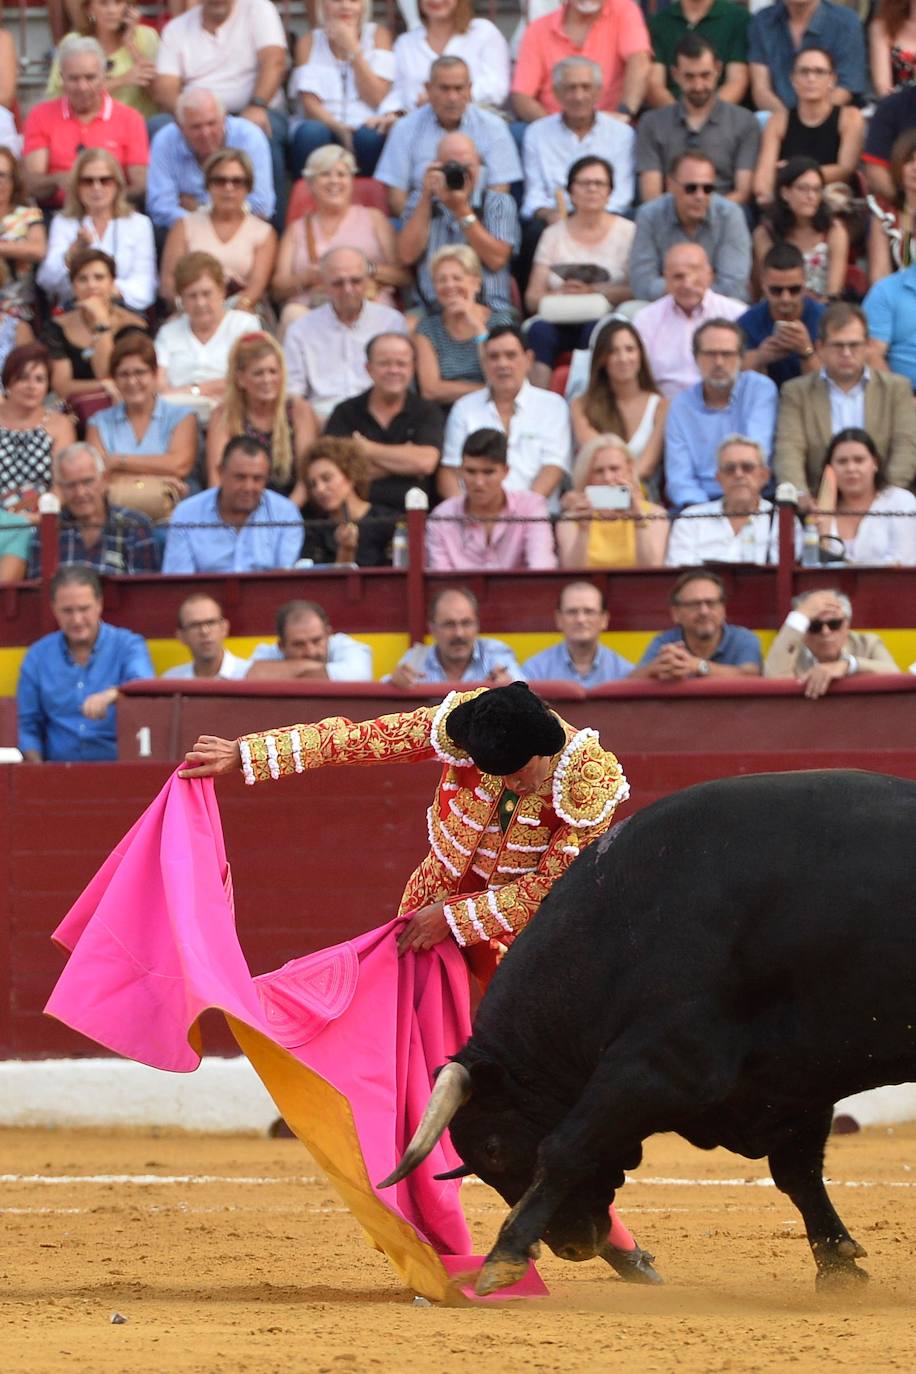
(499, 1272)
(633, 1266)
(834, 1277)
(851, 1249)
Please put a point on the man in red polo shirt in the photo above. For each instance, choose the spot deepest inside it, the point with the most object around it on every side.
(56, 131)
(612, 33)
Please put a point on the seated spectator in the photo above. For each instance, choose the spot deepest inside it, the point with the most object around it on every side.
(739, 526)
(398, 434)
(243, 245)
(613, 34)
(412, 143)
(449, 26)
(447, 340)
(202, 628)
(9, 66)
(23, 240)
(726, 400)
(438, 215)
(777, 32)
(892, 47)
(335, 222)
(342, 526)
(343, 73)
(535, 421)
(95, 532)
(256, 404)
(782, 328)
(861, 519)
(97, 214)
(581, 617)
(237, 49)
(325, 350)
(14, 331)
(578, 129)
(149, 444)
(667, 326)
(470, 531)
(308, 648)
(622, 398)
(800, 216)
(80, 341)
(181, 150)
(30, 433)
(893, 116)
(690, 212)
(722, 23)
(890, 236)
(458, 653)
(890, 308)
(593, 535)
(130, 50)
(69, 680)
(701, 121)
(816, 128)
(592, 238)
(193, 348)
(702, 644)
(816, 644)
(56, 131)
(15, 540)
(238, 526)
(844, 393)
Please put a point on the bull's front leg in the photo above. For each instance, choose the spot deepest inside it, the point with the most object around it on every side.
(520, 1233)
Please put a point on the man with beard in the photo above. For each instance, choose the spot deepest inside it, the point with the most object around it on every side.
(458, 653)
(699, 121)
(701, 644)
(724, 401)
(738, 527)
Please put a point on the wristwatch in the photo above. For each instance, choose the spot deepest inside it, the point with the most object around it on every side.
(467, 220)
(259, 102)
(809, 352)
(702, 667)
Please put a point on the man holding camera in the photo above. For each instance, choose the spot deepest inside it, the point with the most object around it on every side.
(454, 206)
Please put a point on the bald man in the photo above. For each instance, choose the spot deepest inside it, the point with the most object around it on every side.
(667, 326)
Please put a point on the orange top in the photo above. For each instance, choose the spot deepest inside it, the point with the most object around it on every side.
(618, 32)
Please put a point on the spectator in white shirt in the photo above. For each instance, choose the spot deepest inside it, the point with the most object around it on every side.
(326, 349)
(739, 527)
(537, 422)
(202, 628)
(449, 27)
(193, 348)
(307, 649)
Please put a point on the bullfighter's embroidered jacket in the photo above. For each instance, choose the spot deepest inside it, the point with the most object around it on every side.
(492, 876)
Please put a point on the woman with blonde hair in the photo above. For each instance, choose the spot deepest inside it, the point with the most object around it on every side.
(256, 404)
(129, 47)
(97, 214)
(618, 528)
(448, 340)
(449, 28)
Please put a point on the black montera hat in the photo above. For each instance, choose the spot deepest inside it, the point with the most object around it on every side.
(504, 728)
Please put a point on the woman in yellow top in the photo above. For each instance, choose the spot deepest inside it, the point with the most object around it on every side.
(130, 48)
(589, 535)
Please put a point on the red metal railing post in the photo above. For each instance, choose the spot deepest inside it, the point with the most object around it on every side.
(416, 583)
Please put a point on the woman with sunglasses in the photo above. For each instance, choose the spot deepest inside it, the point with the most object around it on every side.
(799, 215)
(97, 214)
(861, 518)
(244, 245)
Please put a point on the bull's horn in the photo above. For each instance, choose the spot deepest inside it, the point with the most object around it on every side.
(462, 1171)
(453, 1088)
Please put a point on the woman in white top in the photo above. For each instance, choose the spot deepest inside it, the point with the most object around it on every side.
(342, 76)
(450, 29)
(193, 348)
(97, 214)
(622, 398)
(862, 519)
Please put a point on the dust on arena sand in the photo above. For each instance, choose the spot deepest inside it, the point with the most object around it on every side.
(233, 1254)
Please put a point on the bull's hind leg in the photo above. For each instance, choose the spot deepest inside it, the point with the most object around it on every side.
(797, 1167)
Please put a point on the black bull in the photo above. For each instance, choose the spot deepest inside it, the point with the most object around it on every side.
(726, 965)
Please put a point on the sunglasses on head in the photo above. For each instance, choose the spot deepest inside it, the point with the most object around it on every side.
(692, 187)
(816, 626)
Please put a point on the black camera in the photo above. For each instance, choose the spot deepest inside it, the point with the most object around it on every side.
(455, 174)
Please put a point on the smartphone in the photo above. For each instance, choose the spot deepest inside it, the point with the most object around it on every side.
(609, 498)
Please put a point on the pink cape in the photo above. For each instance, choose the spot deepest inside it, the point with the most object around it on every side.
(346, 1040)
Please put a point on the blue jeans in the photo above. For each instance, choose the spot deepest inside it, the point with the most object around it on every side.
(312, 134)
(547, 341)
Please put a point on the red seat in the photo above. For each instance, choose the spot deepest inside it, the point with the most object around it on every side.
(559, 377)
(366, 191)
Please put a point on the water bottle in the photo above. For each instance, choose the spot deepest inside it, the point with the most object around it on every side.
(811, 553)
(399, 546)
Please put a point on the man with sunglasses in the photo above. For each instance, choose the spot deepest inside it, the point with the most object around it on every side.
(690, 211)
(817, 646)
(701, 644)
(781, 329)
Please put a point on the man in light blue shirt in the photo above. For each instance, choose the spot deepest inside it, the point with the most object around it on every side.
(458, 653)
(890, 307)
(238, 526)
(725, 401)
(175, 181)
(580, 656)
(69, 680)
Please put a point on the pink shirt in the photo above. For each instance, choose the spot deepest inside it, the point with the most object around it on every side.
(667, 333)
(454, 541)
(117, 127)
(616, 35)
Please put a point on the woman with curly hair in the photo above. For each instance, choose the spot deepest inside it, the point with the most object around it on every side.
(347, 528)
(799, 215)
(622, 398)
(890, 229)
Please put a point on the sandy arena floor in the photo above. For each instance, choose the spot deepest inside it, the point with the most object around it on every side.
(229, 1254)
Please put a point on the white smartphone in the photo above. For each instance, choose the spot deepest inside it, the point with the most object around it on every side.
(609, 498)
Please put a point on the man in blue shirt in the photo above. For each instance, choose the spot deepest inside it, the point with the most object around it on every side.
(778, 32)
(69, 680)
(701, 644)
(458, 653)
(890, 307)
(780, 330)
(580, 656)
(238, 526)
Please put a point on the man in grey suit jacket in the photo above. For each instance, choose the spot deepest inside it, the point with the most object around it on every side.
(846, 391)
